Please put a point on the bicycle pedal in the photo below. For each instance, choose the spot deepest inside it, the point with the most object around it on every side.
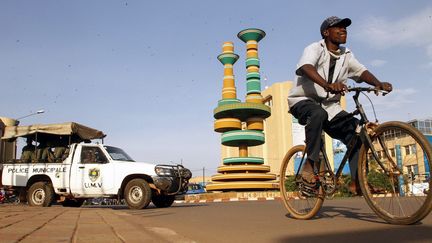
(308, 191)
(307, 194)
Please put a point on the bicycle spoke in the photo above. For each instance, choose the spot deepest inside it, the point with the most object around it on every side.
(404, 156)
(298, 205)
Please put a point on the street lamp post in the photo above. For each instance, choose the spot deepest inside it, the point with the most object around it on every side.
(31, 114)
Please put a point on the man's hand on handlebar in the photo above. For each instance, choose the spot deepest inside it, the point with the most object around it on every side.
(336, 88)
(385, 86)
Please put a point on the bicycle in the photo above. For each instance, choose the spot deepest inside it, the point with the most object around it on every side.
(393, 171)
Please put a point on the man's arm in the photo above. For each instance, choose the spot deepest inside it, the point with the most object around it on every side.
(369, 78)
(311, 73)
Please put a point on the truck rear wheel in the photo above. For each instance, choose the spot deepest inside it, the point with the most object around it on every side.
(163, 201)
(137, 194)
(40, 194)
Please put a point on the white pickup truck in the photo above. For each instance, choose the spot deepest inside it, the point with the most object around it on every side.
(88, 170)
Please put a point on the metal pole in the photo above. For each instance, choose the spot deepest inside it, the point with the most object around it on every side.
(400, 164)
(203, 176)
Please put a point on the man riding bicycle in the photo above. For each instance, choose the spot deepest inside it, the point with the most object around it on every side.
(322, 73)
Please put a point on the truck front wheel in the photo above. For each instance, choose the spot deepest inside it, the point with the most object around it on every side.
(163, 201)
(137, 194)
(40, 194)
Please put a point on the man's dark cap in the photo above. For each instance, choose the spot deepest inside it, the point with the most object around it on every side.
(332, 21)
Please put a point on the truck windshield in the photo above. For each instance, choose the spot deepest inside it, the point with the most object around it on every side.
(118, 154)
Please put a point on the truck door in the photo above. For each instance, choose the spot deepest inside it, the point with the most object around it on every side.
(92, 174)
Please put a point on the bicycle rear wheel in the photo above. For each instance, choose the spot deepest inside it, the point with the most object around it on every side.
(402, 195)
(299, 206)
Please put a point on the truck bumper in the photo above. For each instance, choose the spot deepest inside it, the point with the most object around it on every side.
(163, 183)
(174, 182)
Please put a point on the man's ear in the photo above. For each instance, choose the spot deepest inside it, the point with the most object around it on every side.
(326, 33)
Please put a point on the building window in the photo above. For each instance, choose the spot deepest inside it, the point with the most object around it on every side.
(424, 126)
(379, 153)
(393, 134)
(413, 148)
(413, 172)
(407, 150)
(410, 149)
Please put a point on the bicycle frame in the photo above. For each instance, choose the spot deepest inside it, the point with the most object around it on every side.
(361, 134)
(364, 134)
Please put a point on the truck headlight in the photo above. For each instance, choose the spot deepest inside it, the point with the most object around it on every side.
(163, 171)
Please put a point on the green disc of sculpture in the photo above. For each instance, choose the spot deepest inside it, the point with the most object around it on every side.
(253, 75)
(251, 34)
(243, 160)
(241, 111)
(243, 137)
(253, 86)
(228, 58)
(252, 62)
(228, 101)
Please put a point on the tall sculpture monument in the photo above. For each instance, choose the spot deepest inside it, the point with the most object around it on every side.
(242, 123)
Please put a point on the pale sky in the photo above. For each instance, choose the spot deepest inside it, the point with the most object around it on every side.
(146, 73)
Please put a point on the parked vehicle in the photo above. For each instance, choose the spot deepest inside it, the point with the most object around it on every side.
(195, 188)
(89, 170)
(8, 196)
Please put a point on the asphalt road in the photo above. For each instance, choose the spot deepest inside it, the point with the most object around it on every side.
(340, 220)
(267, 221)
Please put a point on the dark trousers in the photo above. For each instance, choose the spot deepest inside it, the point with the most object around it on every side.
(341, 127)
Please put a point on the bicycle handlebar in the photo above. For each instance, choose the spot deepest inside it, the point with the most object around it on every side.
(367, 89)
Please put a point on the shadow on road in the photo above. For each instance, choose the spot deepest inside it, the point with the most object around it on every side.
(348, 212)
(412, 233)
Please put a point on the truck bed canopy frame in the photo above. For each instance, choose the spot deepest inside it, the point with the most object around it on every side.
(74, 131)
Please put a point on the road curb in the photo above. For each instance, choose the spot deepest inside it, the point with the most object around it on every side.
(228, 200)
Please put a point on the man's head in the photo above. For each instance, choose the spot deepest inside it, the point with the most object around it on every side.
(335, 27)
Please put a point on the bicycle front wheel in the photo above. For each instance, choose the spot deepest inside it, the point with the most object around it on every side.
(397, 187)
(298, 205)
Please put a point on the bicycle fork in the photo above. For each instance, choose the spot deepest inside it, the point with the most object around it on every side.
(366, 140)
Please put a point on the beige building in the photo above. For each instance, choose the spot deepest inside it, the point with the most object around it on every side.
(281, 129)
(7, 149)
